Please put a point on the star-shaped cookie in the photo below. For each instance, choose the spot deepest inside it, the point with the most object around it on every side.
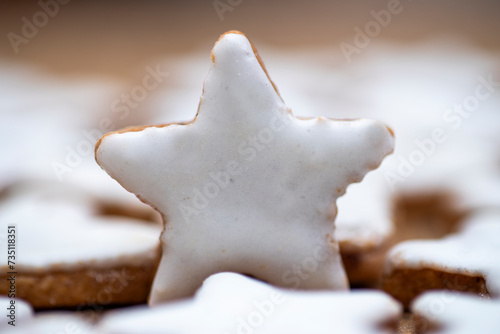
(246, 186)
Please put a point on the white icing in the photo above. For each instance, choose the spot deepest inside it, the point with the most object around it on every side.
(473, 251)
(455, 313)
(274, 208)
(232, 303)
(43, 114)
(465, 165)
(18, 313)
(363, 220)
(56, 232)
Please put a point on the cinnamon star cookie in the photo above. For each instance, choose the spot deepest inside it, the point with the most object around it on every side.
(246, 186)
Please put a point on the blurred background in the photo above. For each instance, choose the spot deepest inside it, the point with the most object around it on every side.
(73, 70)
(113, 37)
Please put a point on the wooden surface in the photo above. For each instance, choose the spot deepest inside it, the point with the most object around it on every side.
(111, 37)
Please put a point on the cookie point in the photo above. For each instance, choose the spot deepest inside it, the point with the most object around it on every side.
(230, 32)
(239, 43)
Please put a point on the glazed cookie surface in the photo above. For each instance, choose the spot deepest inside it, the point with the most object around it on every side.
(246, 187)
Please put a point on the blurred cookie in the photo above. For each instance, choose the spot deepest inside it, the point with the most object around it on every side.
(18, 312)
(53, 322)
(51, 125)
(450, 312)
(66, 256)
(466, 261)
(232, 303)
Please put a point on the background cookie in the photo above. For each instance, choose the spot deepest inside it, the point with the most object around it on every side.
(66, 256)
(466, 261)
(51, 125)
(230, 302)
(451, 312)
(18, 312)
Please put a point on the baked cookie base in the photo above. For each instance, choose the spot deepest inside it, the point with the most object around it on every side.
(405, 284)
(364, 268)
(83, 289)
(425, 215)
